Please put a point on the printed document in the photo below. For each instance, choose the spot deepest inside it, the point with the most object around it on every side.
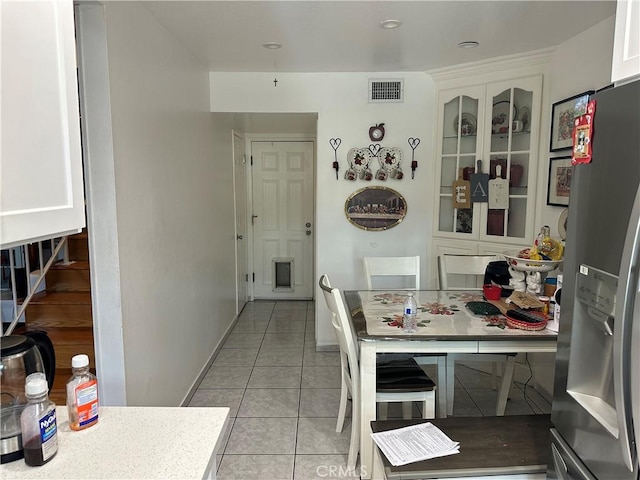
(414, 443)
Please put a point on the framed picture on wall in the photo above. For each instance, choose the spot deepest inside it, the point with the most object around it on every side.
(559, 181)
(375, 208)
(562, 115)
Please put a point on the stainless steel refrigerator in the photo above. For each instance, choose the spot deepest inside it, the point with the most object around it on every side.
(596, 393)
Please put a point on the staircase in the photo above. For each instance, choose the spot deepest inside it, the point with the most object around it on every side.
(63, 310)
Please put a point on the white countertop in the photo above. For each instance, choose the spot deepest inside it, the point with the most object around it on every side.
(134, 443)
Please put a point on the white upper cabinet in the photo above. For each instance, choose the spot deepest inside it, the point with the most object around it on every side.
(42, 193)
(497, 123)
(626, 42)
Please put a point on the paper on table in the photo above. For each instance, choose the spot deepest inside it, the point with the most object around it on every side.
(414, 443)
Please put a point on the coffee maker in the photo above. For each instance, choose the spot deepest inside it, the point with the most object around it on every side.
(22, 355)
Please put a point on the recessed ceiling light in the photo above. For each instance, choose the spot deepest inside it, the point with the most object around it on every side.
(390, 23)
(468, 44)
(272, 45)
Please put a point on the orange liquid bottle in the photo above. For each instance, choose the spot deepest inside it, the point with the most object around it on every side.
(82, 394)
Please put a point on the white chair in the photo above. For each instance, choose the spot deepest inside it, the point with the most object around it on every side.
(406, 271)
(395, 267)
(404, 382)
(466, 272)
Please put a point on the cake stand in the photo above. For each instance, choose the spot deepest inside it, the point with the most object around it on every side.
(528, 275)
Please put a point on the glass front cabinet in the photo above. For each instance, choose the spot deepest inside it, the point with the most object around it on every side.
(494, 126)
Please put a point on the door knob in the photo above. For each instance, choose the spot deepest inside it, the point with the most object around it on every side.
(307, 232)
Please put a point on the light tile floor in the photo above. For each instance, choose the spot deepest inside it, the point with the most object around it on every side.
(284, 396)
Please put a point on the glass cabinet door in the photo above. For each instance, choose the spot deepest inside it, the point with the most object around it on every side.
(511, 130)
(460, 146)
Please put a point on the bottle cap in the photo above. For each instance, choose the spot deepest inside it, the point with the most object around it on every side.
(79, 361)
(36, 385)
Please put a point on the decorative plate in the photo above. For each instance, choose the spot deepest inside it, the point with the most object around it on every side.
(528, 265)
(359, 159)
(562, 224)
(390, 158)
(500, 121)
(468, 125)
(525, 117)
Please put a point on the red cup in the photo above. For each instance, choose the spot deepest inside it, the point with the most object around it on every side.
(491, 292)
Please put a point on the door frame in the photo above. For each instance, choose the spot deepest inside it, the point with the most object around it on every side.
(277, 137)
(243, 205)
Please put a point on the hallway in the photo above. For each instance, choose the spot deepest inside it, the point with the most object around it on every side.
(284, 397)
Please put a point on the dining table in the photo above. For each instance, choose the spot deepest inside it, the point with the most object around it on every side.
(444, 325)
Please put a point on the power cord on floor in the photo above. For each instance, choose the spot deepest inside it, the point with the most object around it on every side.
(526, 384)
(529, 401)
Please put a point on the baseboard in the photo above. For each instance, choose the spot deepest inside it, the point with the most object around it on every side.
(207, 366)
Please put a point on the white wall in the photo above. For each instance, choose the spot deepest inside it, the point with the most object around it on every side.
(340, 100)
(581, 63)
(173, 186)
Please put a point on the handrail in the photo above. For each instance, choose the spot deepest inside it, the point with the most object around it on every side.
(31, 290)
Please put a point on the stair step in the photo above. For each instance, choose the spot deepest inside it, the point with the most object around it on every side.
(65, 352)
(66, 278)
(58, 393)
(60, 310)
(78, 246)
(61, 298)
(68, 342)
(73, 265)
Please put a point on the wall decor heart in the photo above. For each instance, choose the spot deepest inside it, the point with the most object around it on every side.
(335, 142)
(414, 142)
(374, 148)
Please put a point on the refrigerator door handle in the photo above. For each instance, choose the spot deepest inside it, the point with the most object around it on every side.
(625, 303)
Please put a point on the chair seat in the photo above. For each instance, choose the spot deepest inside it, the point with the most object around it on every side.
(402, 377)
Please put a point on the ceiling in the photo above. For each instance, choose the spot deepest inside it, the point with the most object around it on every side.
(345, 36)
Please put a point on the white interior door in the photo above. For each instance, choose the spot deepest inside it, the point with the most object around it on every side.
(282, 219)
(240, 196)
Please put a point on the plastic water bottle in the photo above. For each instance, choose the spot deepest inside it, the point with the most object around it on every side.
(38, 422)
(409, 319)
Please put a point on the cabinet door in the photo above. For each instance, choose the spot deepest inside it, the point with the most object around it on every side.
(626, 41)
(41, 193)
(460, 115)
(511, 147)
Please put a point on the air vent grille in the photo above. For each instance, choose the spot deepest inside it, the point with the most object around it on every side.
(386, 90)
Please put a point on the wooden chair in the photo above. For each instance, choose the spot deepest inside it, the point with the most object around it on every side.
(399, 381)
(404, 273)
(466, 272)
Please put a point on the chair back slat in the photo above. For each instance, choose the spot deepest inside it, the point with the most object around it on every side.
(345, 335)
(406, 268)
(463, 272)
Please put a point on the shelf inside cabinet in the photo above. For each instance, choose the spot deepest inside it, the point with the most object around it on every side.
(506, 134)
(461, 136)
